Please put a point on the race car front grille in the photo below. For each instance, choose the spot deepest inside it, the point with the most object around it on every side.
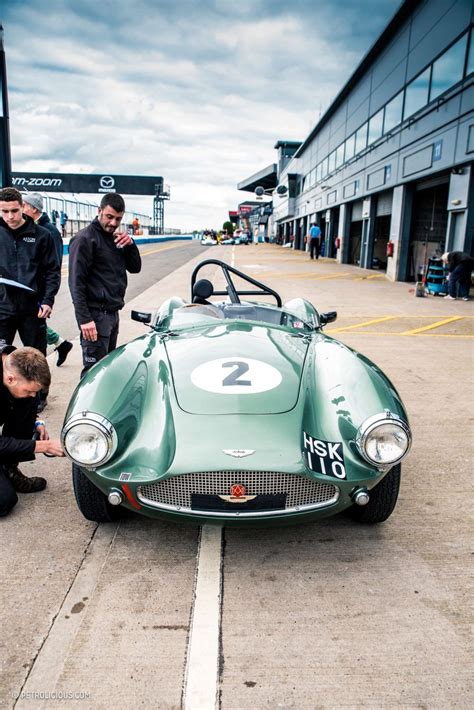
(176, 493)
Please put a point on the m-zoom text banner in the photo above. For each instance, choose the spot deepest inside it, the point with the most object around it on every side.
(67, 182)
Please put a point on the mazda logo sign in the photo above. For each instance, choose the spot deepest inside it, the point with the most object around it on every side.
(107, 182)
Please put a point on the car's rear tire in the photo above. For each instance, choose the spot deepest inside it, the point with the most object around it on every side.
(91, 501)
(383, 499)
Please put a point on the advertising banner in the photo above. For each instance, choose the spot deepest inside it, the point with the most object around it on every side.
(77, 183)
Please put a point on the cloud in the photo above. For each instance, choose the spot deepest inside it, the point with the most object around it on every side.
(197, 92)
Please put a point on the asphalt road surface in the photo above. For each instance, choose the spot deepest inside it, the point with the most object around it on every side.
(334, 614)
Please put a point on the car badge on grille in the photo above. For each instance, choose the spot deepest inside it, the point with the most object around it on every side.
(237, 490)
(239, 453)
(237, 494)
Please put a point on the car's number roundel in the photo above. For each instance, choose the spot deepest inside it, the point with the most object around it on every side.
(236, 375)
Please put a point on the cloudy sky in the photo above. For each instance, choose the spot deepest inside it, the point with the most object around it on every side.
(197, 91)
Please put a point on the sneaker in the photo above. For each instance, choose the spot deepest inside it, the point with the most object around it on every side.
(449, 298)
(465, 298)
(23, 484)
(63, 351)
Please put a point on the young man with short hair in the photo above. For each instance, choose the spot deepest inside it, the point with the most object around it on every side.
(29, 274)
(23, 373)
(99, 257)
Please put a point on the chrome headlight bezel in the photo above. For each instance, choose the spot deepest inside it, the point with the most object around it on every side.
(370, 425)
(103, 427)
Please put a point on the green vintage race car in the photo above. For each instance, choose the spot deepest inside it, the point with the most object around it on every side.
(235, 412)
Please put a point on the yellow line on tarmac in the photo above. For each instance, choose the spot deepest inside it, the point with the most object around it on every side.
(293, 276)
(439, 323)
(420, 316)
(163, 247)
(315, 277)
(444, 335)
(361, 325)
(420, 335)
(367, 278)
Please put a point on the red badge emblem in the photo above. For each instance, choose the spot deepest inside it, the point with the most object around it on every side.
(237, 490)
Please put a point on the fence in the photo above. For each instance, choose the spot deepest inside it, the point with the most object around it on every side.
(70, 215)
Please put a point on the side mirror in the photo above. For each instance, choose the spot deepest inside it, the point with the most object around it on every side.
(329, 317)
(141, 317)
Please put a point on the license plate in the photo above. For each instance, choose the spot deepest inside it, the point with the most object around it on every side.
(266, 501)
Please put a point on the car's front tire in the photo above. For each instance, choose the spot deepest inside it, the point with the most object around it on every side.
(383, 499)
(91, 501)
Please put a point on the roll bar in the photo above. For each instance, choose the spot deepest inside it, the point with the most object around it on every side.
(231, 291)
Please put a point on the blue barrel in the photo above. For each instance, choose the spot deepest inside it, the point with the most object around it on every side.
(436, 277)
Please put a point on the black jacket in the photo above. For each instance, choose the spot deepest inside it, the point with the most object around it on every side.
(460, 258)
(28, 256)
(98, 271)
(46, 223)
(13, 450)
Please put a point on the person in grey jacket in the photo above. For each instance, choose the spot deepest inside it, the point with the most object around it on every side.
(99, 257)
(33, 207)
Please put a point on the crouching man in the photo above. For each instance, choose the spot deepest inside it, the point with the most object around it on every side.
(23, 373)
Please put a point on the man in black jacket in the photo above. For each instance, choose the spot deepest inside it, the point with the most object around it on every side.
(460, 266)
(23, 373)
(33, 207)
(99, 258)
(29, 274)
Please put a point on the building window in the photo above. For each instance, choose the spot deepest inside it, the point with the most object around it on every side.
(448, 69)
(332, 161)
(393, 113)
(375, 126)
(361, 138)
(349, 147)
(319, 172)
(325, 168)
(340, 155)
(416, 93)
(470, 59)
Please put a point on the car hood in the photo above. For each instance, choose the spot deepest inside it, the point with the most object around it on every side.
(236, 368)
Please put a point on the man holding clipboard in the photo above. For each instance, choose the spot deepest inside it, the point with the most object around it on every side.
(29, 274)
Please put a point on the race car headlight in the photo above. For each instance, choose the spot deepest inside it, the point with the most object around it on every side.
(384, 439)
(89, 439)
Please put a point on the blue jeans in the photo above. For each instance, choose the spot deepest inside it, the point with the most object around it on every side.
(460, 275)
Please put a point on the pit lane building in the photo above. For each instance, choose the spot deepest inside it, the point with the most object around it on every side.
(387, 172)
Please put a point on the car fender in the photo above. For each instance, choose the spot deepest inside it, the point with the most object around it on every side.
(132, 390)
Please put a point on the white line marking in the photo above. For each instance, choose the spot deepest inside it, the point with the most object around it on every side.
(49, 663)
(201, 678)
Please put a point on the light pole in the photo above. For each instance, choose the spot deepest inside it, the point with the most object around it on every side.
(260, 191)
(5, 152)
